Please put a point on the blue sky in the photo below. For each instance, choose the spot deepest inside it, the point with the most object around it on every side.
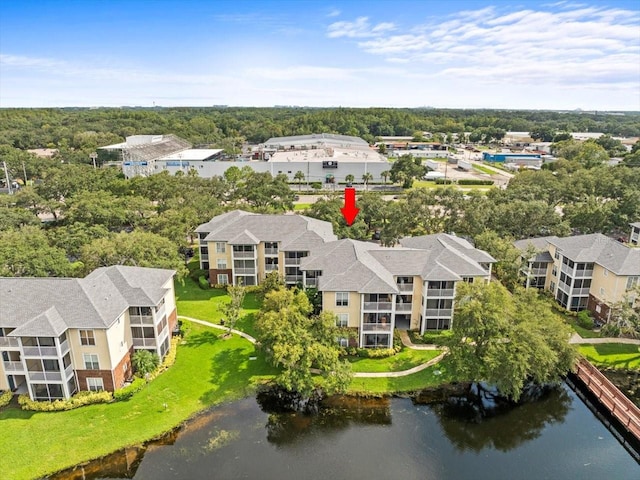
(555, 55)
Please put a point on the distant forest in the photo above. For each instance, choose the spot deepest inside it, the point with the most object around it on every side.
(85, 129)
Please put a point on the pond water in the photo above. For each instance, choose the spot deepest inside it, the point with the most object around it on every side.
(553, 437)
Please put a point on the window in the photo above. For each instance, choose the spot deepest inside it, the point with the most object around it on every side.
(601, 290)
(552, 286)
(557, 255)
(221, 247)
(223, 279)
(606, 272)
(95, 384)
(342, 319)
(343, 341)
(91, 361)
(87, 338)
(222, 264)
(554, 271)
(632, 282)
(342, 299)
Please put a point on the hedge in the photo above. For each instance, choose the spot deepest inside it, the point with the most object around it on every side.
(5, 398)
(203, 283)
(471, 181)
(443, 181)
(128, 391)
(78, 400)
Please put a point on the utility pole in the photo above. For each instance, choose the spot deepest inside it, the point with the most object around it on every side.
(24, 170)
(93, 157)
(6, 176)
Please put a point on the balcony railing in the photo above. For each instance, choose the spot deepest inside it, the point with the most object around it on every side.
(244, 271)
(270, 267)
(144, 342)
(46, 376)
(378, 306)
(13, 367)
(438, 312)
(584, 273)
(405, 287)
(40, 351)
(293, 278)
(64, 347)
(8, 342)
(141, 319)
(376, 327)
(311, 282)
(538, 271)
(440, 292)
(271, 251)
(403, 307)
(582, 292)
(204, 257)
(68, 371)
(291, 261)
(244, 254)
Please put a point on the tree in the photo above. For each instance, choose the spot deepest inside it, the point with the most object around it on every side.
(26, 253)
(232, 309)
(509, 258)
(349, 178)
(366, 178)
(624, 318)
(299, 176)
(385, 175)
(508, 340)
(298, 343)
(411, 168)
(272, 281)
(144, 362)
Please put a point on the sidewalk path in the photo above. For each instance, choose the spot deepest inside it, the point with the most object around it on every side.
(403, 373)
(406, 341)
(577, 339)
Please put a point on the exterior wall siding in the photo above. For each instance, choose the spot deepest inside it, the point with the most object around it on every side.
(105, 375)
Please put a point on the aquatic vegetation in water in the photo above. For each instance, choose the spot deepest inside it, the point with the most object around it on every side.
(220, 439)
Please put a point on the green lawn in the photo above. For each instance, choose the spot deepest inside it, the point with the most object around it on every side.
(404, 360)
(429, 377)
(483, 169)
(431, 185)
(612, 355)
(208, 370)
(583, 332)
(301, 206)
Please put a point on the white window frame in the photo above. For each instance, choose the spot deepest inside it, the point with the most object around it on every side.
(89, 361)
(343, 341)
(601, 290)
(95, 384)
(632, 282)
(342, 320)
(342, 299)
(221, 264)
(90, 337)
(221, 247)
(225, 276)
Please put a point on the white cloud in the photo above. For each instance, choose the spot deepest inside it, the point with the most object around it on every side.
(302, 72)
(360, 28)
(334, 12)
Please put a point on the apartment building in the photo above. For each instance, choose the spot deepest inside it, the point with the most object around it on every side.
(244, 247)
(62, 335)
(634, 237)
(583, 272)
(375, 289)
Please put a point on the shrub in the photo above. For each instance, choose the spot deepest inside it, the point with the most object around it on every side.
(5, 398)
(376, 352)
(78, 400)
(443, 181)
(128, 391)
(472, 181)
(585, 320)
(316, 185)
(144, 362)
(203, 283)
(197, 273)
(169, 358)
(439, 337)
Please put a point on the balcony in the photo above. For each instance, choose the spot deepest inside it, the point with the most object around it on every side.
(438, 312)
(291, 261)
(376, 327)
(404, 307)
(566, 269)
(581, 292)
(378, 306)
(271, 251)
(270, 267)
(13, 367)
(244, 254)
(68, 372)
(293, 278)
(9, 342)
(405, 287)
(537, 272)
(204, 257)
(40, 351)
(141, 319)
(311, 282)
(64, 347)
(244, 271)
(45, 376)
(584, 273)
(144, 342)
(440, 292)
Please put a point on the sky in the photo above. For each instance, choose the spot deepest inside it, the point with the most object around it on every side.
(560, 55)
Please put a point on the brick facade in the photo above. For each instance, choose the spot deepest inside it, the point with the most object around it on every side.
(106, 375)
(123, 370)
(173, 320)
(213, 275)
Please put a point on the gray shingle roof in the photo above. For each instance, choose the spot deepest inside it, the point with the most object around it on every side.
(294, 232)
(635, 224)
(541, 246)
(96, 301)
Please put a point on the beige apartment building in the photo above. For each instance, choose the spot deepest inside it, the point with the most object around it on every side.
(62, 335)
(583, 272)
(370, 288)
(634, 236)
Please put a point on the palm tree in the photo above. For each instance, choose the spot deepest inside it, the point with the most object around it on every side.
(299, 176)
(366, 178)
(385, 175)
(349, 178)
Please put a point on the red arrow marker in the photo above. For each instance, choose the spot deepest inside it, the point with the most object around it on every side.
(349, 211)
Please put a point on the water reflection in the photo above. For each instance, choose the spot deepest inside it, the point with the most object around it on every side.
(479, 420)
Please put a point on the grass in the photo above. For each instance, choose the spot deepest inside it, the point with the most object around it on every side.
(404, 360)
(483, 169)
(431, 185)
(430, 377)
(301, 206)
(613, 355)
(208, 371)
(583, 332)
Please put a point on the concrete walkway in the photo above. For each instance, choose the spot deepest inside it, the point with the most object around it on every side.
(403, 373)
(577, 339)
(406, 341)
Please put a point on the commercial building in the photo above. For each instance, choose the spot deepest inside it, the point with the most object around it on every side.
(590, 272)
(62, 335)
(371, 289)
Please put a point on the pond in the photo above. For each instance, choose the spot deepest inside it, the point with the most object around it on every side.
(554, 436)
